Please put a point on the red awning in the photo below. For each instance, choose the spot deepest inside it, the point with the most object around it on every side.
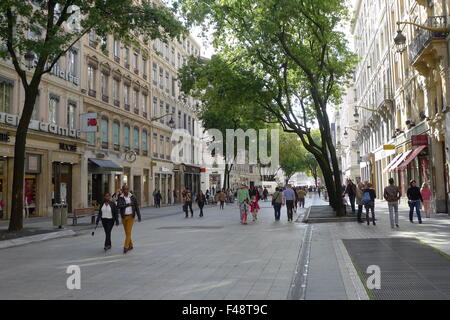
(392, 162)
(411, 157)
(399, 161)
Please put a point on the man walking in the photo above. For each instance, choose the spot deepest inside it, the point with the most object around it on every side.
(301, 193)
(288, 199)
(243, 199)
(187, 196)
(392, 196)
(351, 191)
(129, 208)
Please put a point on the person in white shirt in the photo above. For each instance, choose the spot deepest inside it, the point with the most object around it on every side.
(109, 214)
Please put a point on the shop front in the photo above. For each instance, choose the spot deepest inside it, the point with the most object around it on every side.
(100, 179)
(164, 182)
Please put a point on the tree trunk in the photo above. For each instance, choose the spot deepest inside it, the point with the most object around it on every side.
(16, 219)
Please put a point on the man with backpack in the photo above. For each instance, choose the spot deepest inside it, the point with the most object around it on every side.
(368, 200)
(187, 196)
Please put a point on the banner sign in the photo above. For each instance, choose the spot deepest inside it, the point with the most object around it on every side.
(419, 140)
(89, 122)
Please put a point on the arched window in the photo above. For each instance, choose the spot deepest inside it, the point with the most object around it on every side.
(144, 143)
(136, 139)
(116, 135)
(105, 129)
(126, 137)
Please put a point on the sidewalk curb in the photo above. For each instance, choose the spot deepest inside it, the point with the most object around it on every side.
(36, 238)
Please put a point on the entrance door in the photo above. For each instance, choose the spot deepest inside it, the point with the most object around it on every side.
(163, 188)
(137, 188)
(97, 189)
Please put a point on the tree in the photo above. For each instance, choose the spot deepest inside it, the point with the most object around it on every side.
(57, 26)
(292, 155)
(224, 106)
(291, 54)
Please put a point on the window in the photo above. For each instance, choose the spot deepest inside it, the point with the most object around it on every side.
(5, 96)
(115, 92)
(91, 138)
(104, 45)
(189, 124)
(155, 107)
(161, 146)
(136, 63)
(167, 112)
(126, 137)
(136, 101)
(72, 62)
(92, 38)
(167, 82)
(155, 74)
(91, 80)
(167, 148)
(126, 95)
(173, 86)
(184, 121)
(144, 68)
(71, 115)
(35, 114)
(179, 120)
(144, 105)
(127, 57)
(104, 136)
(155, 145)
(105, 81)
(53, 109)
(161, 78)
(116, 135)
(144, 143)
(116, 50)
(161, 110)
(136, 139)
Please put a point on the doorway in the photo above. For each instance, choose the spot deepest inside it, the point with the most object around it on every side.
(62, 184)
(137, 188)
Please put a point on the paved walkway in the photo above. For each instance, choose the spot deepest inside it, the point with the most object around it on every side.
(332, 275)
(214, 257)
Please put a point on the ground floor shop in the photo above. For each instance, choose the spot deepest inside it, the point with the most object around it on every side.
(53, 175)
(164, 182)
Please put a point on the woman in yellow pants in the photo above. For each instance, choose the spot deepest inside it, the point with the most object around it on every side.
(129, 208)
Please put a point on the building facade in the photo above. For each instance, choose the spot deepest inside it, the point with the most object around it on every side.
(402, 98)
(137, 102)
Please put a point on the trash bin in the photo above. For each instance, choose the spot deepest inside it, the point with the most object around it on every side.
(59, 215)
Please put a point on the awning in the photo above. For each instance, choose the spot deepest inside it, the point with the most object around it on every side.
(399, 161)
(392, 162)
(411, 157)
(105, 165)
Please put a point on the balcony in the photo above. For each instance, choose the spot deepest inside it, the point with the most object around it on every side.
(144, 114)
(145, 153)
(144, 76)
(117, 147)
(136, 71)
(116, 103)
(127, 107)
(104, 145)
(105, 98)
(384, 98)
(127, 65)
(117, 59)
(136, 110)
(92, 93)
(425, 37)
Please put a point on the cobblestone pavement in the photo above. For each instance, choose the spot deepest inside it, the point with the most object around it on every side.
(214, 257)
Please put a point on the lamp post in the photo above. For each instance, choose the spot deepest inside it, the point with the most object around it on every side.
(171, 122)
(29, 58)
(400, 39)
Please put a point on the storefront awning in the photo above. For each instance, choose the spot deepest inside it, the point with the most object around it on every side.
(393, 161)
(399, 161)
(105, 165)
(411, 157)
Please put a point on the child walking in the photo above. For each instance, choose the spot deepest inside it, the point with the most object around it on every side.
(254, 208)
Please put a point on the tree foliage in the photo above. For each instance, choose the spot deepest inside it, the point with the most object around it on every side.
(294, 60)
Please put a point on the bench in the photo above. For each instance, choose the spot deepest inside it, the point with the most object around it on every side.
(83, 212)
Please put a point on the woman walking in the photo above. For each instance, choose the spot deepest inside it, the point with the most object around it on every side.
(414, 200)
(426, 196)
(368, 200)
(277, 200)
(359, 194)
(222, 197)
(129, 208)
(201, 200)
(109, 214)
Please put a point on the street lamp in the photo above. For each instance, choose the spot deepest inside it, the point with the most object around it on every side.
(29, 58)
(400, 39)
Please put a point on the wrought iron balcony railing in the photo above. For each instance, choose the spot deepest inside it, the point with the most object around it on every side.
(423, 37)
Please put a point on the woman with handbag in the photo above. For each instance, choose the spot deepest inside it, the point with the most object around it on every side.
(201, 200)
(277, 200)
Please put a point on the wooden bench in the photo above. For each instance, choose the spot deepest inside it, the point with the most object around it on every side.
(83, 212)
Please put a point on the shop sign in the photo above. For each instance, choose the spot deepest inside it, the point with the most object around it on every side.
(4, 137)
(89, 122)
(164, 169)
(389, 147)
(68, 147)
(153, 164)
(13, 120)
(63, 74)
(419, 140)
